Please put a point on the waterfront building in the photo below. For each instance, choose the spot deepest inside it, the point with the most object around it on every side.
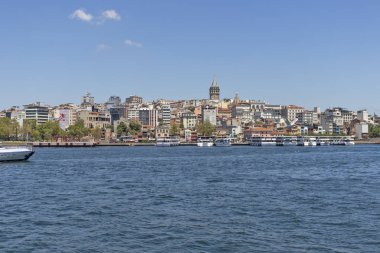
(361, 130)
(209, 113)
(363, 115)
(117, 112)
(165, 114)
(162, 131)
(307, 117)
(187, 135)
(93, 119)
(189, 120)
(148, 117)
(37, 112)
(66, 115)
(334, 115)
(214, 91)
(290, 112)
(258, 132)
(347, 116)
(332, 121)
(133, 114)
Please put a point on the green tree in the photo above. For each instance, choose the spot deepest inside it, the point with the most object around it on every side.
(174, 130)
(27, 129)
(373, 131)
(48, 131)
(5, 128)
(122, 129)
(78, 130)
(134, 127)
(9, 129)
(205, 128)
(96, 133)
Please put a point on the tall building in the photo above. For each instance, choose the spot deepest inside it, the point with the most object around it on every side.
(165, 114)
(87, 100)
(37, 112)
(117, 113)
(214, 91)
(148, 117)
(209, 113)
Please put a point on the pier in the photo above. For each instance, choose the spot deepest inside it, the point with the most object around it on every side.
(63, 144)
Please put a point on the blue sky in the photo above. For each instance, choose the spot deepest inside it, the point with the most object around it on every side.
(311, 53)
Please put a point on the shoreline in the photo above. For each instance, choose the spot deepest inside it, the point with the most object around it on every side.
(149, 144)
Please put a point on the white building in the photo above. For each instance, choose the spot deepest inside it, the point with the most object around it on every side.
(165, 114)
(361, 130)
(37, 112)
(290, 112)
(189, 120)
(209, 113)
(363, 115)
(148, 117)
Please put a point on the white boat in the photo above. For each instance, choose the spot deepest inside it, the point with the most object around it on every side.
(323, 142)
(301, 141)
(223, 142)
(287, 142)
(205, 142)
(349, 142)
(343, 142)
(167, 142)
(263, 141)
(18, 153)
(312, 141)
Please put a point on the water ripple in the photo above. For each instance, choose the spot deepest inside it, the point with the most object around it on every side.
(187, 199)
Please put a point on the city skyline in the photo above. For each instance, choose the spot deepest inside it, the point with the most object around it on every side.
(310, 54)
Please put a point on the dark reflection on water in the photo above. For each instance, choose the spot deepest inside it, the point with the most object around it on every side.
(189, 199)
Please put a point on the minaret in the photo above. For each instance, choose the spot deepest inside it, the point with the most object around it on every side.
(214, 91)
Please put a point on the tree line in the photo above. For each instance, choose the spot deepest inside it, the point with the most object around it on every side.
(10, 130)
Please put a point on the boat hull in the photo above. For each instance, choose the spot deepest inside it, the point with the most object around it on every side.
(166, 144)
(205, 144)
(21, 155)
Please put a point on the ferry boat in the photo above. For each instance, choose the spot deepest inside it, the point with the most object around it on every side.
(223, 142)
(205, 142)
(323, 142)
(349, 142)
(263, 141)
(302, 141)
(343, 142)
(312, 141)
(18, 153)
(167, 142)
(286, 141)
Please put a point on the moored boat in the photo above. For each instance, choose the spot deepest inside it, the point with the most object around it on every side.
(167, 142)
(263, 141)
(17, 153)
(223, 142)
(205, 142)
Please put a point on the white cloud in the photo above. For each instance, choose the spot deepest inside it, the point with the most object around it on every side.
(102, 47)
(111, 14)
(81, 14)
(132, 43)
